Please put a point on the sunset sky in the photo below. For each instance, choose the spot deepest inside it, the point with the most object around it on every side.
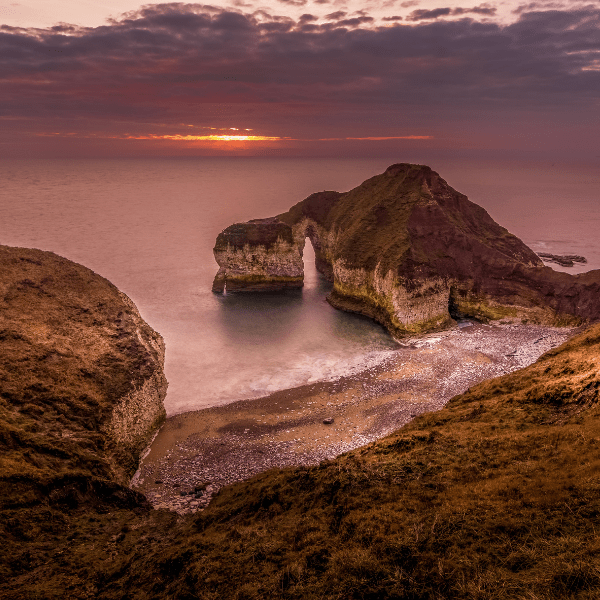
(299, 77)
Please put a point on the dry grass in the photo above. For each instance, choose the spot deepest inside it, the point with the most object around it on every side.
(495, 496)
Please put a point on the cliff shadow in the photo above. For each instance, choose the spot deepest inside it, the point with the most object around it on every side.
(360, 329)
(259, 317)
(453, 308)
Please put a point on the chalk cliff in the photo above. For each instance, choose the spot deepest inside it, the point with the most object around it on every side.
(82, 376)
(409, 251)
(257, 256)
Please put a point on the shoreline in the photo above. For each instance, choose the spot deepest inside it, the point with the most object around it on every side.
(196, 453)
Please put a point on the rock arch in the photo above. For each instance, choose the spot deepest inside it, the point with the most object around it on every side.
(407, 250)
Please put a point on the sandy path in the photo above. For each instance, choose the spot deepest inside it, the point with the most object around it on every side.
(196, 453)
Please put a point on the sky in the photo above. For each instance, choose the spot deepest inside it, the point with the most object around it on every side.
(299, 78)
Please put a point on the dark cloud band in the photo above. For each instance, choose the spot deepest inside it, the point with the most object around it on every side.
(177, 62)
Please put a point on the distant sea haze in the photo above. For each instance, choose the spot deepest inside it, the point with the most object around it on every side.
(149, 226)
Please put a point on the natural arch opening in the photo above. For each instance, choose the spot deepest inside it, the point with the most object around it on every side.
(311, 275)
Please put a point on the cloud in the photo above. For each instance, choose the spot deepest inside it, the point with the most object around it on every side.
(482, 9)
(190, 63)
(436, 13)
(355, 21)
(537, 6)
(334, 16)
(422, 14)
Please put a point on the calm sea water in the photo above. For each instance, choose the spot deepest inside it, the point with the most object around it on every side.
(149, 226)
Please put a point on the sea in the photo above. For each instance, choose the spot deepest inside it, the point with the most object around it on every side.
(149, 226)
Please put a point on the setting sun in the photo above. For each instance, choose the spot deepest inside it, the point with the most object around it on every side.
(211, 138)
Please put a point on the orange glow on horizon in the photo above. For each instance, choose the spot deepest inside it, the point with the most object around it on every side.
(228, 137)
(263, 138)
(377, 139)
(209, 138)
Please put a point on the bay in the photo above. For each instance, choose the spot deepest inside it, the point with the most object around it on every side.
(148, 225)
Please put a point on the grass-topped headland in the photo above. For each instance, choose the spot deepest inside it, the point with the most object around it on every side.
(401, 232)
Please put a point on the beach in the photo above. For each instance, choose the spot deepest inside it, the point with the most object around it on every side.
(196, 453)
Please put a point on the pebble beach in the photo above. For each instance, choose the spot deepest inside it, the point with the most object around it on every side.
(196, 453)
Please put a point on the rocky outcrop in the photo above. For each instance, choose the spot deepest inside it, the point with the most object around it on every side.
(82, 374)
(411, 252)
(564, 260)
(257, 256)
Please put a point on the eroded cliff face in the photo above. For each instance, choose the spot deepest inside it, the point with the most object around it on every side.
(82, 375)
(257, 256)
(136, 415)
(413, 253)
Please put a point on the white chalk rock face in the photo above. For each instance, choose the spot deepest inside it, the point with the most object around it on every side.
(259, 255)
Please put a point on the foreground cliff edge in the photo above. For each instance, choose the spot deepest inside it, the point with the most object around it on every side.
(409, 251)
(82, 383)
(495, 496)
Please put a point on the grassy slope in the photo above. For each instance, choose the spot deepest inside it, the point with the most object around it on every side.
(70, 347)
(495, 496)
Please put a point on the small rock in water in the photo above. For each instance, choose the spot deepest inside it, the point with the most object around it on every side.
(564, 260)
(328, 421)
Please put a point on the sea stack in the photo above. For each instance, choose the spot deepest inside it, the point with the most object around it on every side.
(409, 251)
(260, 255)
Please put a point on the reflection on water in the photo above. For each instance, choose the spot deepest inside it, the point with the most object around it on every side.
(359, 329)
(258, 318)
